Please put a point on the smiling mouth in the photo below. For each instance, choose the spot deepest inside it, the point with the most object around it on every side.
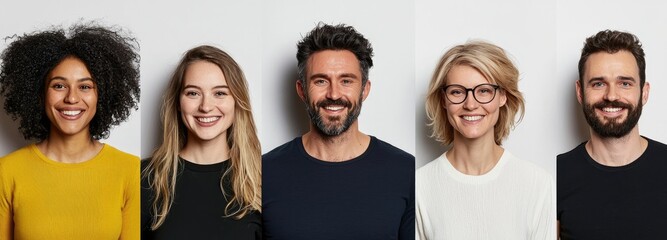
(333, 107)
(611, 109)
(71, 113)
(472, 118)
(207, 119)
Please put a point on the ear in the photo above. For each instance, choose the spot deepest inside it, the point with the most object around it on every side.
(503, 98)
(578, 89)
(366, 90)
(645, 91)
(299, 90)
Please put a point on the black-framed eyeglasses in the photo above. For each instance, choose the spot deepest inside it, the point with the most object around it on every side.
(483, 93)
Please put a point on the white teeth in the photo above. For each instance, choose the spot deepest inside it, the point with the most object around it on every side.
(71, 113)
(208, 119)
(610, 109)
(334, 108)
(472, 118)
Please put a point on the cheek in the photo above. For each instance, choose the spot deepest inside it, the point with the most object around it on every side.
(493, 109)
(187, 106)
(227, 107)
(450, 112)
(50, 98)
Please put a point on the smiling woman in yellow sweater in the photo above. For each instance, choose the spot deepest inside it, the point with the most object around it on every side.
(68, 89)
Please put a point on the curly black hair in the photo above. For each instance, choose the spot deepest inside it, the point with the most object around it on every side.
(110, 55)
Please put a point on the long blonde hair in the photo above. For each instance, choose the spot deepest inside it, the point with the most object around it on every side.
(245, 151)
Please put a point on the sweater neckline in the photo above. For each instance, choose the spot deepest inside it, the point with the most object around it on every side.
(216, 167)
(33, 147)
(475, 179)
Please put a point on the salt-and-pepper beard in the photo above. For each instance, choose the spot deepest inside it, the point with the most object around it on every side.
(334, 129)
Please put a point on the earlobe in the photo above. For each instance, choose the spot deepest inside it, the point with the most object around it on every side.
(299, 90)
(366, 89)
(645, 92)
(578, 89)
(503, 98)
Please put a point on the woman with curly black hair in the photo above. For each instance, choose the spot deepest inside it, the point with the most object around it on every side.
(67, 89)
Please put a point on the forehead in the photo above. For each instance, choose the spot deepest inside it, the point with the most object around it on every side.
(203, 74)
(465, 75)
(333, 62)
(70, 67)
(611, 64)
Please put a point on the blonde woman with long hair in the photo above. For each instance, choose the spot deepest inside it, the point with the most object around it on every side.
(204, 180)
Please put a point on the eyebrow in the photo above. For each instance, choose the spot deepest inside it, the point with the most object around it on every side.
(343, 75)
(64, 79)
(625, 78)
(197, 87)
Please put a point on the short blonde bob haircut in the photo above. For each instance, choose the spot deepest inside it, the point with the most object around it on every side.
(492, 62)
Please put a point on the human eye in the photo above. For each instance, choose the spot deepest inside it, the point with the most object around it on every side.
(319, 82)
(58, 86)
(598, 84)
(191, 93)
(221, 93)
(86, 87)
(626, 84)
(484, 90)
(455, 91)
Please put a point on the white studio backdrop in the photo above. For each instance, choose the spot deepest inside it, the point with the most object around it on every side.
(19, 17)
(388, 110)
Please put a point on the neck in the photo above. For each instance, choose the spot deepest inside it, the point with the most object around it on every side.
(206, 151)
(69, 148)
(474, 156)
(616, 152)
(345, 146)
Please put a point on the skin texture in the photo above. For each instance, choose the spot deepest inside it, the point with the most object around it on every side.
(613, 77)
(474, 151)
(71, 98)
(482, 128)
(334, 91)
(207, 111)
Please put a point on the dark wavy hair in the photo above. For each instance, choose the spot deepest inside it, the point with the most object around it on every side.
(110, 55)
(611, 41)
(334, 37)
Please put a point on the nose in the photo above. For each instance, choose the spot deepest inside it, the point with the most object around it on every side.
(72, 96)
(333, 92)
(470, 103)
(205, 105)
(611, 94)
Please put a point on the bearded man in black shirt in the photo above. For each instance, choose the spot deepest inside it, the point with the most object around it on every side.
(613, 186)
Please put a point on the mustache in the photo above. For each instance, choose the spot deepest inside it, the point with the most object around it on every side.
(605, 103)
(340, 102)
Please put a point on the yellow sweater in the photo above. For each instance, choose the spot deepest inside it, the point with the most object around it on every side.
(44, 199)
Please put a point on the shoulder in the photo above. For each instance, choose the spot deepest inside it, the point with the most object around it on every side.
(391, 152)
(656, 146)
(17, 159)
(121, 161)
(572, 157)
(529, 171)
(282, 151)
(429, 170)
